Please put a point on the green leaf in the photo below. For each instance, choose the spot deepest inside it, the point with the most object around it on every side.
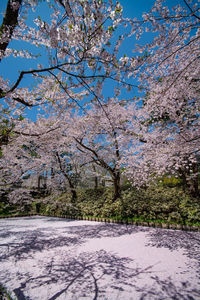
(21, 118)
(111, 29)
(118, 10)
(5, 121)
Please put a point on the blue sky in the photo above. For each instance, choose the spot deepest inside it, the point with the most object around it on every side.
(11, 66)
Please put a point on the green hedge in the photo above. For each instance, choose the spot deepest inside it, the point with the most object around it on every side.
(162, 203)
(155, 203)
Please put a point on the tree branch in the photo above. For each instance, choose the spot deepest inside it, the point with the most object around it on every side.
(9, 23)
(193, 14)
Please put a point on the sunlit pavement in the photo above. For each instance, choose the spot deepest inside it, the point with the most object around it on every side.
(50, 258)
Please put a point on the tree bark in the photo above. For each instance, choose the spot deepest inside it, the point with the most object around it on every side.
(116, 183)
(191, 184)
(71, 185)
(113, 171)
(9, 23)
(72, 189)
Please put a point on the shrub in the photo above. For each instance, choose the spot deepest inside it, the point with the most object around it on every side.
(167, 204)
(4, 294)
(171, 181)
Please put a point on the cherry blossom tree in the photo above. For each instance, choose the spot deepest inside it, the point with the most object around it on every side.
(44, 150)
(68, 143)
(170, 76)
(157, 135)
(97, 136)
(77, 42)
(21, 155)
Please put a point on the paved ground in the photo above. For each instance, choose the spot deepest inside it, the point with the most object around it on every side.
(44, 258)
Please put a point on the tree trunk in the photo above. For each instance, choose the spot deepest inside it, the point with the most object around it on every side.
(193, 188)
(191, 184)
(72, 190)
(74, 195)
(67, 176)
(10, 21)
(52, 173)
(95, 182)
(116, 182)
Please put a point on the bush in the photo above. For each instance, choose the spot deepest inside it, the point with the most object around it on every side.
(167, 204)
(4, 294)
(171, 181)
(153, 203)
(159, 202)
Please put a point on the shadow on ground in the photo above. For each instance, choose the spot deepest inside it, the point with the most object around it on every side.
(86, 275)
(102, 275)
(60, 273)
(27, 242)
(175, 240)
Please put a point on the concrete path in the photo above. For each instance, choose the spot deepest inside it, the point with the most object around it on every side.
(43, 258)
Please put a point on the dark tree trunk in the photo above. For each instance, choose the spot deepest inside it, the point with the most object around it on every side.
(96, 182)
(116, 183)
(9, 21)
(103, 183)
(72, 188)
(193, 188)
(195, 181)
(52, 173)
(117, 193)
(67, 176)
(191, 184)
(73, 191)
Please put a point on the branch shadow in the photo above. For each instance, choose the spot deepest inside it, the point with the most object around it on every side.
(167, 289)
(25, 244)
(21, 244)
(189, 242)
(102, 275)
(100, 230)
(91, 275)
